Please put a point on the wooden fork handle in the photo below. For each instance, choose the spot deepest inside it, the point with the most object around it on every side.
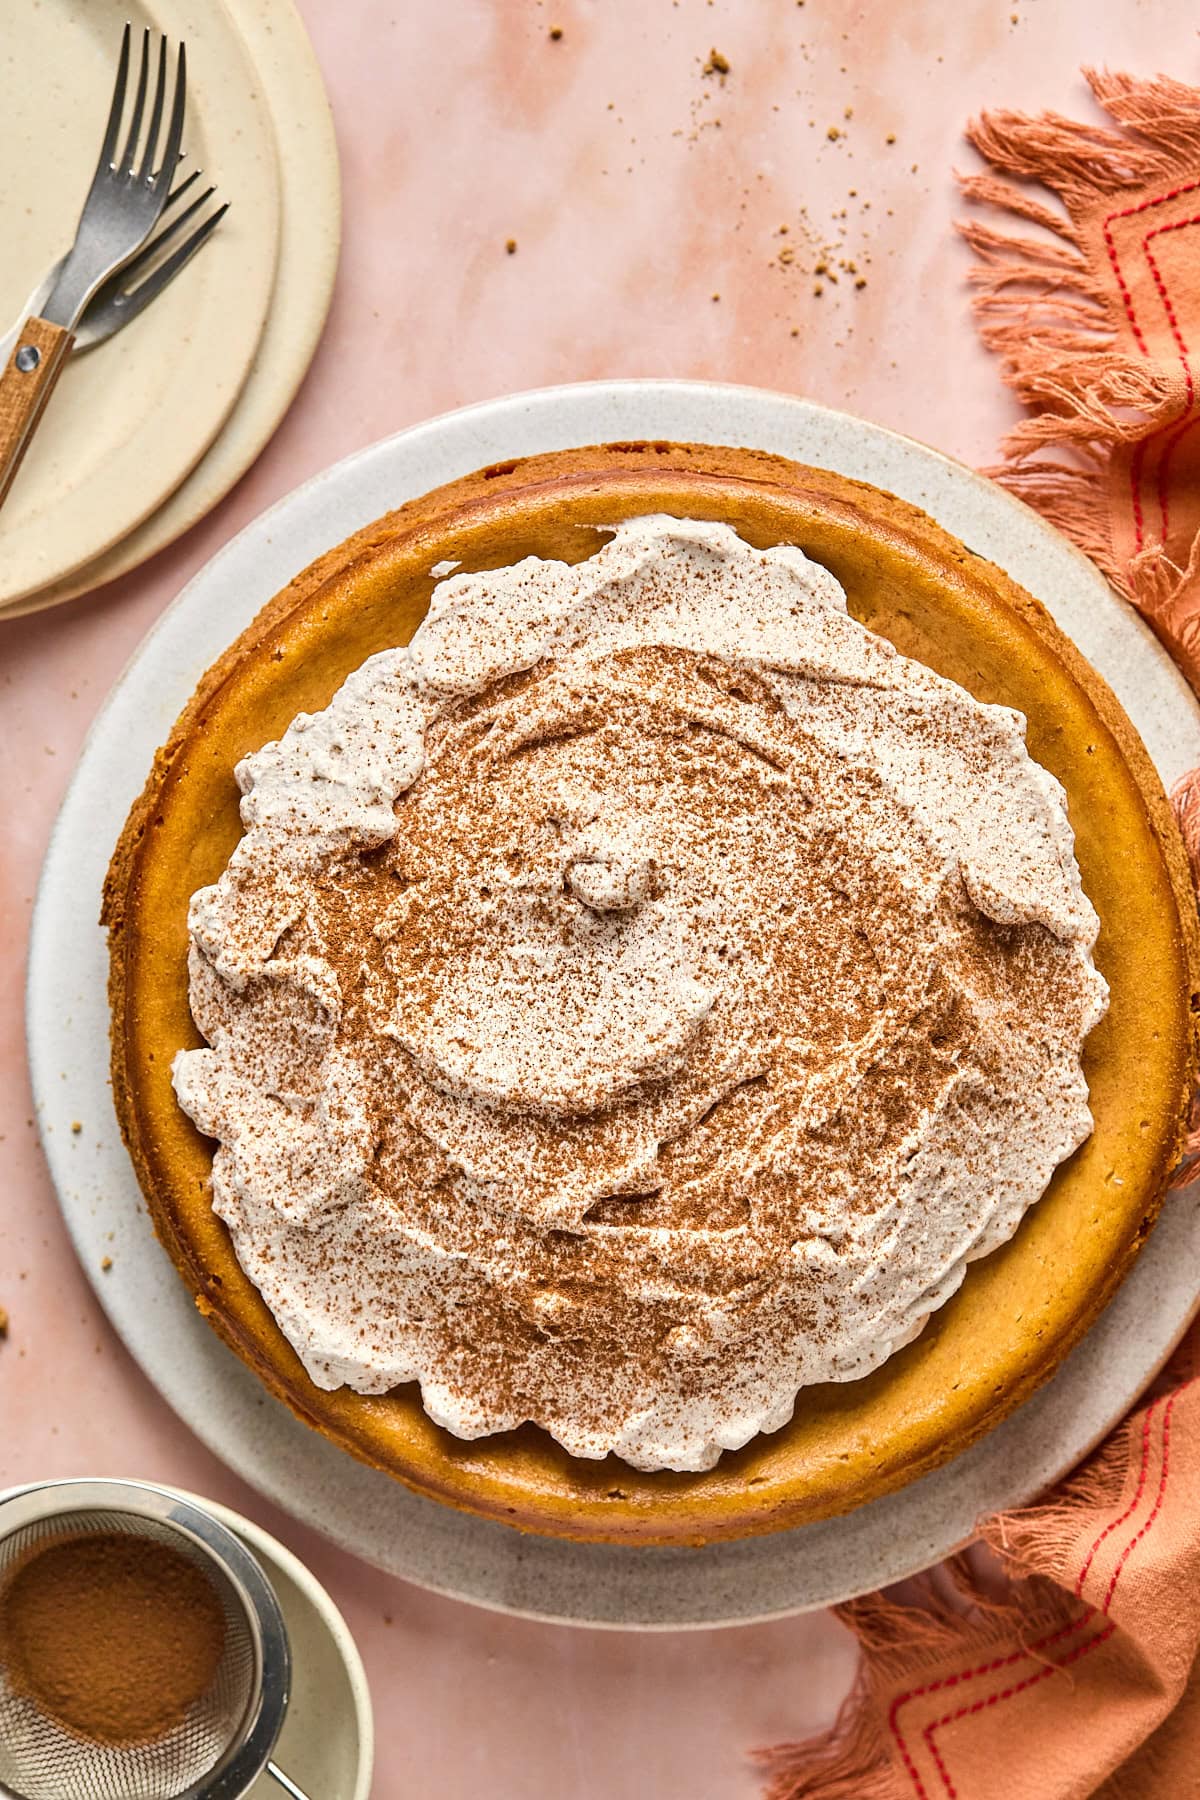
(38, 359)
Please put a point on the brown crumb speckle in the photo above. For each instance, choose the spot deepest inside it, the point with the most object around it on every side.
(833, 134)
(716, 64)
(106, 1263)
(510, 244)
(3, 1323)
(556, 32)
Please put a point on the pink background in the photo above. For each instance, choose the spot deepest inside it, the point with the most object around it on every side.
(637, 189)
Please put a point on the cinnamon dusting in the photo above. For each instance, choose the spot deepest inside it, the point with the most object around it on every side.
(115, 1637)
(703, 986)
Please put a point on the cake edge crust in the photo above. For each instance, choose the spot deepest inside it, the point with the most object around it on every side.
(346, 562)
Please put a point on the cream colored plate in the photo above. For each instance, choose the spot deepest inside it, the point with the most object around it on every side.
(132, 417)
(310, 228)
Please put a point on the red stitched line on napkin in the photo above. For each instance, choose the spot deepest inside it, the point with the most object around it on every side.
(1157, 1508)
(1008, 1693)
(1114, 1524)
(1135, 467)
(1189, 420)
(1016, 1656)
(950, 1681)
(1081, 1650)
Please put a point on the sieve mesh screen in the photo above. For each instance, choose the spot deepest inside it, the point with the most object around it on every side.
(42, 1759)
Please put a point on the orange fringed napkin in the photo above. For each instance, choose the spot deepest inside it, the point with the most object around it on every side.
(1097, 320)
(1068, 1671)
(1063, 1661)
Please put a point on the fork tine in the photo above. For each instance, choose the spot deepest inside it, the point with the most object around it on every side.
(156, 113)
(139, 104)
(110, 308)
(122, 280)
(109, 146)
(161, 277)
(181, 190)
(166, 169)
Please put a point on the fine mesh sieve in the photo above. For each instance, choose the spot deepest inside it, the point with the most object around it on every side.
(223, 1741)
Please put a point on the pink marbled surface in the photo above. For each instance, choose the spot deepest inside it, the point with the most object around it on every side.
(463, 124)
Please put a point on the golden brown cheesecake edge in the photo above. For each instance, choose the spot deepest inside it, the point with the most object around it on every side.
(860, 1446)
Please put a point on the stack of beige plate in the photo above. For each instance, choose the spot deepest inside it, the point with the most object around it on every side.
(150, 429)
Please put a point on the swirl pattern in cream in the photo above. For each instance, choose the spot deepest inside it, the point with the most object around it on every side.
(635, 1000)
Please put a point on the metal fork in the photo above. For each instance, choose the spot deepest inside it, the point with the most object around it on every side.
(123, 205)
(123, 296)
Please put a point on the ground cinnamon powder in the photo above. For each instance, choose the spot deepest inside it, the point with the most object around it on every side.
(115, 1637)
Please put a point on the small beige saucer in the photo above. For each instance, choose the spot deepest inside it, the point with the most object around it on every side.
(131, 418)
(327, 1745)
(290, 84)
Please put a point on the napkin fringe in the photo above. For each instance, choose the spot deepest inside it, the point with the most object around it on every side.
(951, 1618)
(850, 1763)
(904, 1643)
(1053, 320)
(1083, 163)
(1073, 501)
(1044, 1537)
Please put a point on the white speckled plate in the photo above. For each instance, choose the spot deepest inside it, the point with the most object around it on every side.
(130, 418)
(224, 1404)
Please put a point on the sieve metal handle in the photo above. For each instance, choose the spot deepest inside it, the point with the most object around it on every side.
(285, 1782)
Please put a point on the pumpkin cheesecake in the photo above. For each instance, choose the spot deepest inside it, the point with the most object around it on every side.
(653, 994)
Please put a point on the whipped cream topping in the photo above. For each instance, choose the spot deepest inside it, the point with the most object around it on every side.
(638, 998)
